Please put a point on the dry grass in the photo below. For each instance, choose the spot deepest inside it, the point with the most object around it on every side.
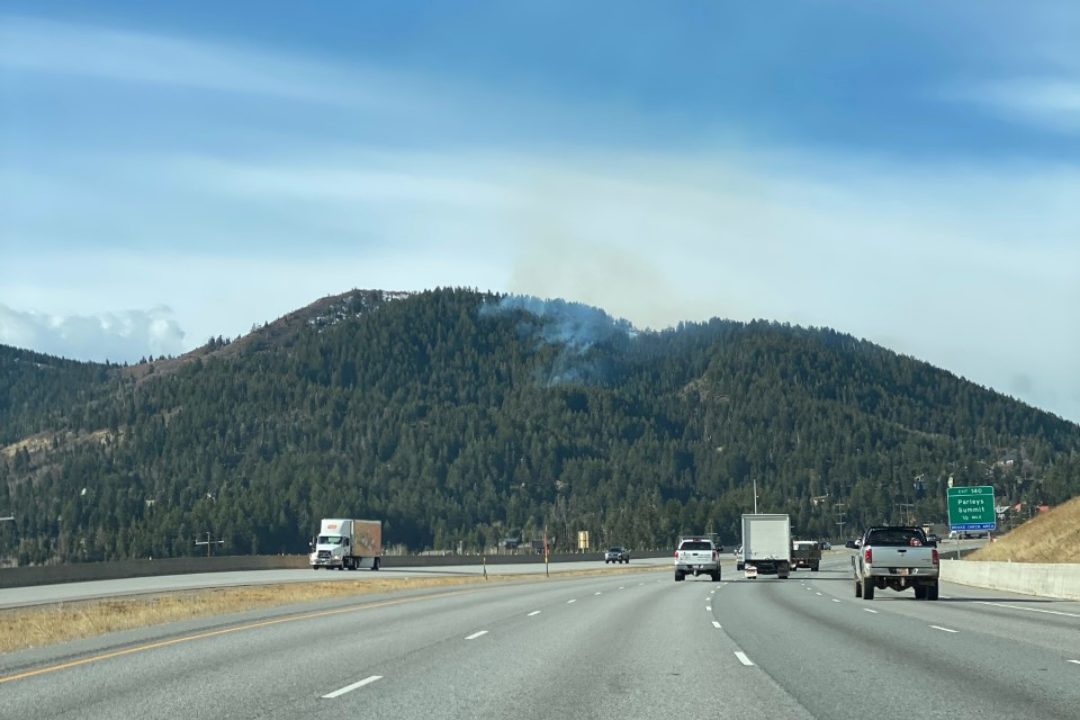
(1052, 537)
(22, 628)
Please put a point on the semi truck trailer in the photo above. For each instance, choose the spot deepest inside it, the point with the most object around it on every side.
(347, 544)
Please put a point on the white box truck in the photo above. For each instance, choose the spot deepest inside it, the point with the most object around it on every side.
(766, 545)
(347, 545)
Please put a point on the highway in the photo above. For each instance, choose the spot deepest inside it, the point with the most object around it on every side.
(615, 645)
(70, 592)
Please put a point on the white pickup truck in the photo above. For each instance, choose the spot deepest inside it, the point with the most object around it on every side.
(697, 556)
(897, 558)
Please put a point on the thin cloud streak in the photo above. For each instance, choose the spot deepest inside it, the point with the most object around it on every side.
(126, 56)
(1046, 103)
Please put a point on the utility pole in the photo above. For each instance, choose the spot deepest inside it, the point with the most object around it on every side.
(209, 543)
(755, 495)
(838, 511)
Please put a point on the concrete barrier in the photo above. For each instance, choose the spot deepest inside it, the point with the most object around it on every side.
(1058, 580)
(83, 572)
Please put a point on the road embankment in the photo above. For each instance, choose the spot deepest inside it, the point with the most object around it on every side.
(1059, 580)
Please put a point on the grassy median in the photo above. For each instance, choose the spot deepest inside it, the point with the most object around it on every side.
(22, 628)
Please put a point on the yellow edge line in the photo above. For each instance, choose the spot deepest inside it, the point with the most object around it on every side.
(223, 631)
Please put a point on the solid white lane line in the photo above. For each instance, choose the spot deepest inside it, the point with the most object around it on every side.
(944, 629)
(571, 602)
(743, 659)
(1034, 610)
(717, 626)
(534, 612)
(477, 634)
(354, 686)
(870, 611)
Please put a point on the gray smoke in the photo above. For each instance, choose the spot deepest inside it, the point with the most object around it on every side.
(577, 329)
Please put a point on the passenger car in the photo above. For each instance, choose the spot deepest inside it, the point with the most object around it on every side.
(617, 554)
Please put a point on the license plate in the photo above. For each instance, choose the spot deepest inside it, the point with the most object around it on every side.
(905, 571)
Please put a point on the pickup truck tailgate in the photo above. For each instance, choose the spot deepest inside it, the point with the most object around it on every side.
(695, 557)
(901, 557)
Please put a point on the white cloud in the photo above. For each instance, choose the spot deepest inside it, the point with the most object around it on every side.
(128, 56)
(1050, 103)
(120, 336)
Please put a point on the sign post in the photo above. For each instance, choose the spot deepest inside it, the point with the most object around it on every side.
(972, 508)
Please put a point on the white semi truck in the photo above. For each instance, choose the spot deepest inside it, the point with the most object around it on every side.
(766, 545)
(347, 545)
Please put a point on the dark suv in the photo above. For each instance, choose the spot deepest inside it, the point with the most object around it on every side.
(617, 554)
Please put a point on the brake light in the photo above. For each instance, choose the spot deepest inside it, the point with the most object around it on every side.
(868, 556)
(676, 554)
(937, 559)
(714, 555)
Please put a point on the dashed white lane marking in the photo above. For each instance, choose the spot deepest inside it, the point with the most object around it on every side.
(597, 593)
(477, 634)
(944, 629)
(534, 612)
(1034, 610)
(717, 626)
(354, 686)
(743, 659)
(818, 594)
(571, 602)
(870, 611)
(835, 600)
(1075, 662)
(708, 608)
(622, 587)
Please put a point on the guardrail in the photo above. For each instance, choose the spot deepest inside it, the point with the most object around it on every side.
(1059, 580)
(116, 570)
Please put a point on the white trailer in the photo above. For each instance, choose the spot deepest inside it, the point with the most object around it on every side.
(766, 545)
(347, 544)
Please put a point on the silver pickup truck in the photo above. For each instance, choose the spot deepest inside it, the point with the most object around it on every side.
(897, 558)
(697, 556)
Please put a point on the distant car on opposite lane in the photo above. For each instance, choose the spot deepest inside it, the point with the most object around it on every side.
(617, 554)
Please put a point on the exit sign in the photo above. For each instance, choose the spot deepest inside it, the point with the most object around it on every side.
(972, 508)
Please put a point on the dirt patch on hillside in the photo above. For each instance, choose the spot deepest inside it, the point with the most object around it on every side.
(1052, 537)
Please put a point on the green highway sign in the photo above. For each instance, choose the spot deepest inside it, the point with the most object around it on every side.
(972, 508)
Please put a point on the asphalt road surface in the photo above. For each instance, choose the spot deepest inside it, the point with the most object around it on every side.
(616, 645)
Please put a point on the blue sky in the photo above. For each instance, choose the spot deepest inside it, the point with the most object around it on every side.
(908, 173)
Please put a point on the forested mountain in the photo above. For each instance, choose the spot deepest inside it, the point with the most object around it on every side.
(461, 418)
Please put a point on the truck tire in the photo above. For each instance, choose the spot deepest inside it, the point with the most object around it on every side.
(679, 577)
(868, 590)
(858, 589)
(716, 575)
(920, 592)
(739, 567)
(817, 566)
(932, 592)
(375, 564)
